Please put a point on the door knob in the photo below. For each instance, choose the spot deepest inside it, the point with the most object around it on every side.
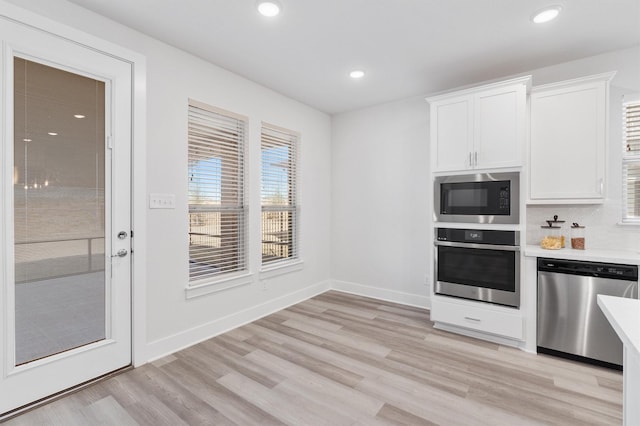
(121, 253)
(122, 235)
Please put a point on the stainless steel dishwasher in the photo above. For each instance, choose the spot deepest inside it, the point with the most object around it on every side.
(570, 323)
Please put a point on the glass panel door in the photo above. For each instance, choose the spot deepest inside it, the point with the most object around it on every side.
(65, 214)
(59, 210)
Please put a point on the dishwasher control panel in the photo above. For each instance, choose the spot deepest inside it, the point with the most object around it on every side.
(592, 269)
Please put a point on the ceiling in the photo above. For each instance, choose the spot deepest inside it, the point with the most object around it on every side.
(406, 47)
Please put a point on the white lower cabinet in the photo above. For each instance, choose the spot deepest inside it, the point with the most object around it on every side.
(478, 316)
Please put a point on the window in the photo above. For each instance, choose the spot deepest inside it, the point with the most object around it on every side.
(279, 196)
(631, 162)
(217, 225)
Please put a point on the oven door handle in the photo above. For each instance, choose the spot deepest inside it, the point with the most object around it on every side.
(477, 246)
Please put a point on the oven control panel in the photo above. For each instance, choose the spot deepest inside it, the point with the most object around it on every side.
(482, 236)
(473, 235)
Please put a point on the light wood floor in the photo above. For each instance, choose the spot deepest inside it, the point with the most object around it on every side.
(339, 359)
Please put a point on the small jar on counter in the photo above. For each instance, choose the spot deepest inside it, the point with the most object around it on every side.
(577, 236)
(551, 237)
(559, 224)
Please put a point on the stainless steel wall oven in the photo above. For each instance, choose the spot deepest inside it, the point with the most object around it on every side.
(476, 264)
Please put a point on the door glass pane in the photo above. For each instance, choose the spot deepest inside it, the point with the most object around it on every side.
(59, 207)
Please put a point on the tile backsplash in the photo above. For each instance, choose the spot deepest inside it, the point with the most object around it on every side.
(601, 221)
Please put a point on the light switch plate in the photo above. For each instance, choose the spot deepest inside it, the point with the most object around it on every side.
(162, 201)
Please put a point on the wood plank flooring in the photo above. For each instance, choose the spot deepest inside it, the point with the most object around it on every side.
(340, 359)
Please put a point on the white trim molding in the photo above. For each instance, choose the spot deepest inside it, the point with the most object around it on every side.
(176, 342)
(194, 335)
(416, 300)
(227, 283)
(280, 269)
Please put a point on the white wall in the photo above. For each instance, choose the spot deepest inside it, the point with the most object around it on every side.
(380, 211)
(380, 169)
(174, 76)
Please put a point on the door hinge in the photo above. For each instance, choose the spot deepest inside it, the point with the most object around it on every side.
(109, 142)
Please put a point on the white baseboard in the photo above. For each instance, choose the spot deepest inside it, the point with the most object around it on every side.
(170, 344)
(408, 299)
(190, 337)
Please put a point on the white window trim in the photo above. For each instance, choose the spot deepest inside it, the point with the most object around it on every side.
(626, 159)
(197, 289)
(281, 267)
(210, 285)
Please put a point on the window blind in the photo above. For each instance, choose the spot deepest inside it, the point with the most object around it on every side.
(280, 210)
(631, 162)
(217, 222)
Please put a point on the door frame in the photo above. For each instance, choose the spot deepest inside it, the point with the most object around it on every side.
(138, 161)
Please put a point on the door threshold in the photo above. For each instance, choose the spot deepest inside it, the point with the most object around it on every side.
(58, 395)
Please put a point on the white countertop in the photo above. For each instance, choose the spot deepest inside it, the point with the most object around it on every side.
(591, 255)
(624, 316)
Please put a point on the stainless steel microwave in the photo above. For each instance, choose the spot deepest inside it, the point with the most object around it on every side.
(478, 198)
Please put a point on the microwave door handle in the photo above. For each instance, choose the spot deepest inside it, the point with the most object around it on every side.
(478, 246)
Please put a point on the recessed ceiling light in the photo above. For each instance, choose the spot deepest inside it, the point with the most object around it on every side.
(26, 140)
(52, 134)
(356, 74)
(269, 8)
(547, 14)
(79, 116)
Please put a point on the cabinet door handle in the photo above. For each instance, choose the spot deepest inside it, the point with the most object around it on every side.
(472, 319)
(476, 158)
(601, 186)
(470, 162)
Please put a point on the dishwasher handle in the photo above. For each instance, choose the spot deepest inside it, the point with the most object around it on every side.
(589, 269)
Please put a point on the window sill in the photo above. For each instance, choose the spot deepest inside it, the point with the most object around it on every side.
(636, 224)
(281, 269)
(198, 290)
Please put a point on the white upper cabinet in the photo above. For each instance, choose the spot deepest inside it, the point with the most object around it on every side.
(569, 129)
(500, 117)
(479, 128)
(452, 128)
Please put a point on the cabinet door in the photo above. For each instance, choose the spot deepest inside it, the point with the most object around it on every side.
(568, 144)
(451, 134)
(499, 127)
